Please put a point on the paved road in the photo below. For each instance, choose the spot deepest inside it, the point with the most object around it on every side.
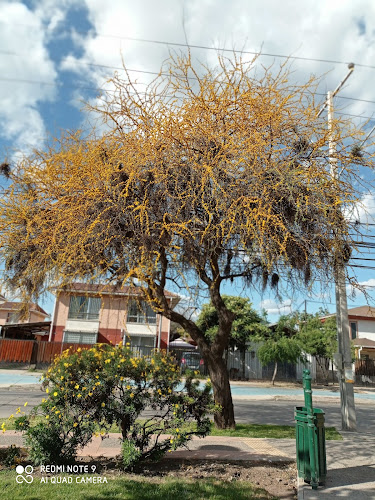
(282, 413)
(249, 410)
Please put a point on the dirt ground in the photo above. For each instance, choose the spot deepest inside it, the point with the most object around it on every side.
(278, 479)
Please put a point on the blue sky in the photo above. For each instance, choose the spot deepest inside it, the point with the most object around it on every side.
(55, 55)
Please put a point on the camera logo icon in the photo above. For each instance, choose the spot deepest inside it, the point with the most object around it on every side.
(27, 478)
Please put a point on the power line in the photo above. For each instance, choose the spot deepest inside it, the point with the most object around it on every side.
(206, 47)
(98, 89)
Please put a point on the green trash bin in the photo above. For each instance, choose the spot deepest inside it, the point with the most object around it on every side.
(302, 443)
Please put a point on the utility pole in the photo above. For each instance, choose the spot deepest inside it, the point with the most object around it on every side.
(343, 359)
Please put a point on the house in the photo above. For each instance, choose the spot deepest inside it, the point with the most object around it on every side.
(362, 331)
(92, 313)
(10, 313)
(17, 326)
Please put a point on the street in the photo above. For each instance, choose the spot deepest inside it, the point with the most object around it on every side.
(252, 410)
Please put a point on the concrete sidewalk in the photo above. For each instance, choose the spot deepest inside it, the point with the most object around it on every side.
(350, 470)
(350, 463)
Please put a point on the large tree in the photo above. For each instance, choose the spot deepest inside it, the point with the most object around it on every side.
(202, 177)
(246, 326)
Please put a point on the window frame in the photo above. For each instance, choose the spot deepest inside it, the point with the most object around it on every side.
(351, 329)
(81, 336)
(142, 313)
(85, 314)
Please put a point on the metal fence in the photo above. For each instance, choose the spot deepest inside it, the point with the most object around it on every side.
(42, 354)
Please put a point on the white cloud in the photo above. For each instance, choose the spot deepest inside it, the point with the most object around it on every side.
(365, 209)
(22, 36)
(333, 30)
(273, 307)
(320, 30)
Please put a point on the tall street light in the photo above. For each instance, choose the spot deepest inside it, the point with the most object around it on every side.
(343, 358)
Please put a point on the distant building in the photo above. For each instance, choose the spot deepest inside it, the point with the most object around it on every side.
(92, 313)
(14, 325)
(10, 313)
(362, 330)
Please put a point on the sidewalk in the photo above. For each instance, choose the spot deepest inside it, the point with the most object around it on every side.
(350, 470)
(350, 463)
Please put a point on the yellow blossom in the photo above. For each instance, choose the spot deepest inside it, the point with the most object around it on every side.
(47, 417)
(47, 390)
(18, 410)
(55, 394)
(76, 386)
(103, 405)
(75, 424)
(25, 404)
(107, 361)
(131, 395)
(79, 395)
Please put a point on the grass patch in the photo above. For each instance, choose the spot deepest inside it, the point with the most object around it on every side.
(268, 431)
(126, 488)
(241, 430)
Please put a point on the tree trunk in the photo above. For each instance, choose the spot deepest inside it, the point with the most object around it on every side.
(222, 393)
(226, 356)
(274, 374)
(243, 354)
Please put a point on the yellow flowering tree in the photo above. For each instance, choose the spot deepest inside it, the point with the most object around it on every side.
(210, 175)
(91, 390)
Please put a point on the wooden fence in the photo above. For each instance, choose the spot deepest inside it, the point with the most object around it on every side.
(16, 350)
(365, 367)
(33, 352)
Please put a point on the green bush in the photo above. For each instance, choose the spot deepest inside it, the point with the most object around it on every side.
(90, 390)
(11, 456)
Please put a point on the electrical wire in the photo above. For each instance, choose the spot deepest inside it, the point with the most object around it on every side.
(207, 47)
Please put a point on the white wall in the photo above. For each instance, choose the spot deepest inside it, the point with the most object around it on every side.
(79, 325)
(140, 329)
(366, 329)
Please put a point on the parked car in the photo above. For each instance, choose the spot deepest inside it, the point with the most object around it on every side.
(191, 360)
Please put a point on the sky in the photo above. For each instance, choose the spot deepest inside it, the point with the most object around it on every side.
(56, 55)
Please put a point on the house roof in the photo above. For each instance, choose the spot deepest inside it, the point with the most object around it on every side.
(15, 306)
(363, 342)
(102, 289)
(363, 311)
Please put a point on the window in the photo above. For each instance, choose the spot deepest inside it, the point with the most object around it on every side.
(141, 341)
(353, 330)
(14, 317)
(140, 312)
(80, 337)
(82, 307)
